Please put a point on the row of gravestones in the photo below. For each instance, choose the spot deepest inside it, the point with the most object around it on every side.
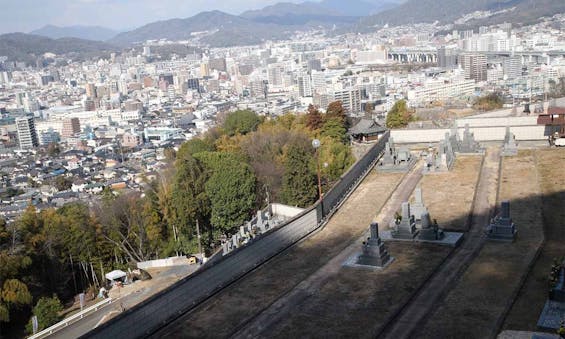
(262, 223)
(375, 254)
(396, 159)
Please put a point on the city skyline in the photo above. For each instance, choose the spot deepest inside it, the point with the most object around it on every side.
(120, 15)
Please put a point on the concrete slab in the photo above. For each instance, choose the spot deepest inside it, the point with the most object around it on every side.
(352, 262)
(452, 239)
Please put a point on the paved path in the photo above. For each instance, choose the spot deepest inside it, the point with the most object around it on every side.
(165, 278)
(414, 313)
(261, 324)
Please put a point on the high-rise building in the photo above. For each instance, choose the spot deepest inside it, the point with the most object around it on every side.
(446, 57)
(314, 65)
(71, 127)
(194, 84)
(512, 67)
(27, 135)
(304, 86)
(91, 91)
(474, 65)
(350, 98)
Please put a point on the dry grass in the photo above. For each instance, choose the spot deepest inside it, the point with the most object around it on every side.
(527, 308)
(227, 311)
(473, 307)
(449, 196)
(355, 302)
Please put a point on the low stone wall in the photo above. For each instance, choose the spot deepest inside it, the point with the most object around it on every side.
(172, 261)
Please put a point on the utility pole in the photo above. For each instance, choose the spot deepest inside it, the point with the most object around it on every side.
(199, 241)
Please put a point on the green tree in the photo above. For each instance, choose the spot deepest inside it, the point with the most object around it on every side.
(333, 128)
(299, 186)
(399, 115)
(47, 311)
(190, 204)
(194, 146)
(489, 102)
(241, 122)
(231, 190)
(63, 183)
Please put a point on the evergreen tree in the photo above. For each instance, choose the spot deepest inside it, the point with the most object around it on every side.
(399, 115)
(241, 122)
(299, 186)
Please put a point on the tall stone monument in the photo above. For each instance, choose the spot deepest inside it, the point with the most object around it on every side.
(510, 147)
(374, 250)
(502, 227)
(468, 144)
(429, 230)
(417, 207)
(406, 228)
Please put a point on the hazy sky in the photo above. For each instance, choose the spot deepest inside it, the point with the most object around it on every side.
(27, 15)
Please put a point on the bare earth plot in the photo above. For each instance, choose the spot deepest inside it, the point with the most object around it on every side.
(449, 196)
(232, 308)
(354, 303)
(529, 304)
(477, 303)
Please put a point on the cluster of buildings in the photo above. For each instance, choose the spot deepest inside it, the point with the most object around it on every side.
(108, 122)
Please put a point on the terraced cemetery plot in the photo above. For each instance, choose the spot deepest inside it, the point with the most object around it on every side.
(231, 308)
(449, 196)
(529, 304)
(473, 308)
(356, 302)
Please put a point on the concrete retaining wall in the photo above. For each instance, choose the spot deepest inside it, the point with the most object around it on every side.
(522, 133)
(172, 261)
(167, 305)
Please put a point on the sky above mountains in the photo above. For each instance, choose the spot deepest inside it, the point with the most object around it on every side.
(27, 15)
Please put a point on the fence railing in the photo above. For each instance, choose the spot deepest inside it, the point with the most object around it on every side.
(71, 320)
(167, 305)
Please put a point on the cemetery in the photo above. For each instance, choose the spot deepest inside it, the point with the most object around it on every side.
(364, 276)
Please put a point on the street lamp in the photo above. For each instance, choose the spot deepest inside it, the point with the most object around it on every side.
(316, 144)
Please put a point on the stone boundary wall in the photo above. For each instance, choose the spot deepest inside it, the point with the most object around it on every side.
(494, 133)
(169, 304)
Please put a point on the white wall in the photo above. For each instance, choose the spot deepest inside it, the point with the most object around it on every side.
(484, 129)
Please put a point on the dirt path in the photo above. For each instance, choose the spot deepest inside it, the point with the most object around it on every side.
(415, 313)
(283, 307)
(484, 293)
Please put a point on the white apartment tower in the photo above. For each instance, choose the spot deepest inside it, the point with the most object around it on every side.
(27, 135)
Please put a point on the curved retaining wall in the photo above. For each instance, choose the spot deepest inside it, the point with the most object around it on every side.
(167, 305)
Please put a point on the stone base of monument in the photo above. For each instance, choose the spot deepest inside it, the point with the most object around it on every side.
(353, 261)
(508, 236)
(509, 152)
(551, 315)
(480, 152)
(452, 239)
(404, 166)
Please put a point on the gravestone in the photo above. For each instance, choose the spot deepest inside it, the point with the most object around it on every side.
(468, 144)
(510, 147)
(396, 160)
(406, 228)
(417, 207)
(225, 248)
(429, 230)
(389, 156)
(374, 250)
(501, 227)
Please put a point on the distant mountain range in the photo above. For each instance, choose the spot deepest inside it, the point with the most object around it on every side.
(81, 32)
(446, 11)
(28, 47)
(279, 21)
(221, 29)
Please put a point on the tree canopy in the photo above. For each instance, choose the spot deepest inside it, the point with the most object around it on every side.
(241, 122)
(399, 116)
